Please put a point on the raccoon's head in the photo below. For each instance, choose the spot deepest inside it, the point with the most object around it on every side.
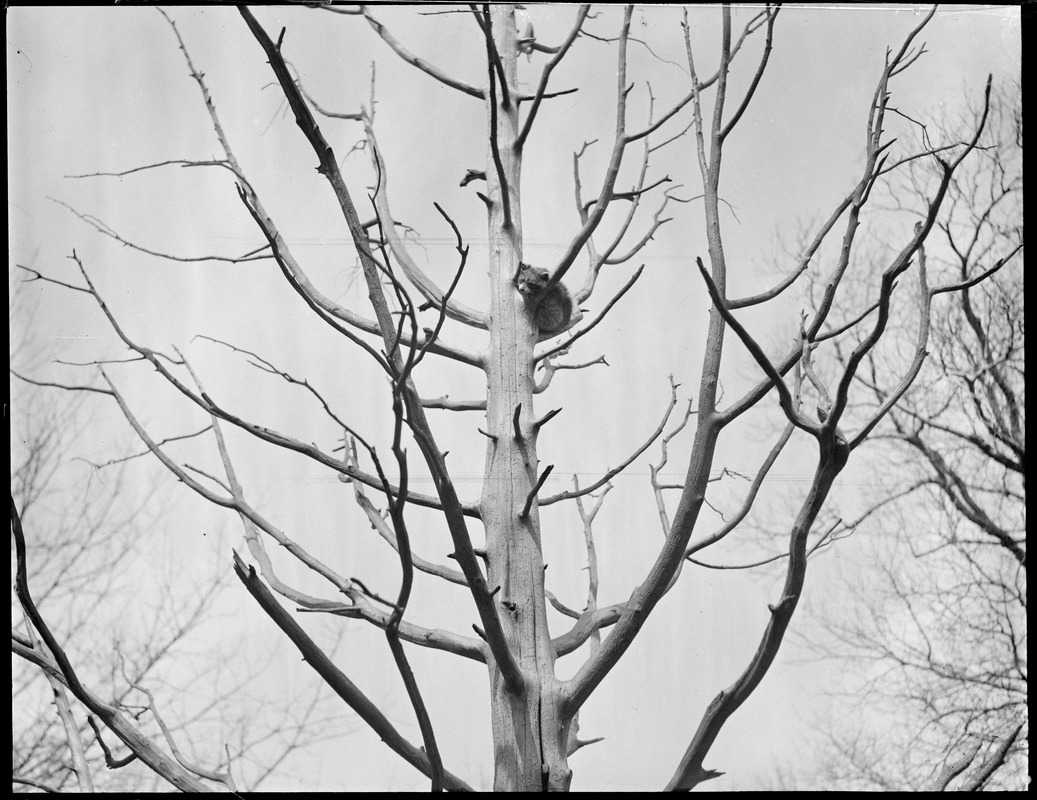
(531, 280)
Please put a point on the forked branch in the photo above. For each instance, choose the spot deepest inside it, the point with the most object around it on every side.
(433, 456)
(337, 680)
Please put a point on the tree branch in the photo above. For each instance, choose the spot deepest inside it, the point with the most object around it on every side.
(337, 680)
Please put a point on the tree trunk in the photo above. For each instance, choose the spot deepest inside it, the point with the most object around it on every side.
(529, 734)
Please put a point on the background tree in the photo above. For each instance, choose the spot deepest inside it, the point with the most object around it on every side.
(93, 532)
(938, 642)
(425, 313)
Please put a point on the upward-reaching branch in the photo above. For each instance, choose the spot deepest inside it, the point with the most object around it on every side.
(545, 76)
(668, 562)
(420, 63)
(419, 425)
(612, 171)
(290, 267)
(771, 15)
(429, 290)
(496, 70)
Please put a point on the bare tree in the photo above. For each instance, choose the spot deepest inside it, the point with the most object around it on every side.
(529, 320)
(943, 625)
(88, 542)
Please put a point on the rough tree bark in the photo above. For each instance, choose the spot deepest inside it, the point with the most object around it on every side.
(529, 732)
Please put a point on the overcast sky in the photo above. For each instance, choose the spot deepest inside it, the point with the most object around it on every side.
(106, 89)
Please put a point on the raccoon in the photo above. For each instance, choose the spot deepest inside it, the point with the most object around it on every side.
(551, 311)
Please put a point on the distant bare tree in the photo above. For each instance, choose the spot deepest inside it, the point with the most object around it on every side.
(940, 624)
(88, 536)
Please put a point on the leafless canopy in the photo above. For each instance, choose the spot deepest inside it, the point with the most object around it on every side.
(535, 713)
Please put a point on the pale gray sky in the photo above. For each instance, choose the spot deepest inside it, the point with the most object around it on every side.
(106, 89)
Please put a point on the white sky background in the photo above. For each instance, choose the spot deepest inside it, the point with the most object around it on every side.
(106, 89)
